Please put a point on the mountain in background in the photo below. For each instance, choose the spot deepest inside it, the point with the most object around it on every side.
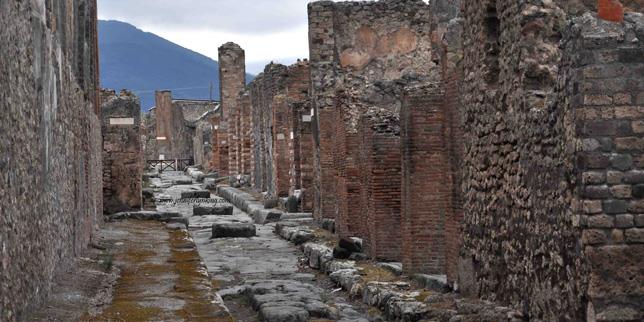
(144, 62)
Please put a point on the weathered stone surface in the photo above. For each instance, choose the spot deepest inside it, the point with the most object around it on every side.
(50, 144)
(228, 230)
(217, 210)
(194, 194)
(145, 215)
(122, 154)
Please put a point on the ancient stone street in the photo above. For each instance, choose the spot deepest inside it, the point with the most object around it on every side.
(316, 161)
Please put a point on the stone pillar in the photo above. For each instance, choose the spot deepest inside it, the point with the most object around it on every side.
(232, 77)
(164, 133)
(122, 152)
(322, 55)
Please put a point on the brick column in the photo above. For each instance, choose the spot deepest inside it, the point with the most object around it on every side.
(380, 168)
(426, 188)
(232, 77)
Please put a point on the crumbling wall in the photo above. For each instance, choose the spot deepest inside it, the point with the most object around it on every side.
(521, 237)
(122, 152)
(202, 140)
(362, 54)
(50, 145)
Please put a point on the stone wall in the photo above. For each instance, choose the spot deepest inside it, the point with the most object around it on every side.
(50, 145)
(122, 152)
(202, 141)
(174, 137)
(603, 90)
(263, 89)
(547, 123)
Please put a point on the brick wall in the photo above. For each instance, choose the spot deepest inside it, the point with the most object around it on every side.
(426, 188)
(380, 155)
(122, 152)
(50, 145)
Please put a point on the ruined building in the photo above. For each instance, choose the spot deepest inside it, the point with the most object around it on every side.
(496, 143)
(178, 129)
(50, 138)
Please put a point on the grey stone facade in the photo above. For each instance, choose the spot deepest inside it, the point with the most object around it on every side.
(50, 144)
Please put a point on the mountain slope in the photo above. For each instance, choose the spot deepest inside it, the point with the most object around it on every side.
(144, 62)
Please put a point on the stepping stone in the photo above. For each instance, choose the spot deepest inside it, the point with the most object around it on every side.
(180, 182)
(195, 194)
(228, 230)
(217, 210)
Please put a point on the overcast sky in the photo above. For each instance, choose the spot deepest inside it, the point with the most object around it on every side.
(268, 30)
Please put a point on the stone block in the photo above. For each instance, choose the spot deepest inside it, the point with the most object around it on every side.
(352, 244)
(230, 230)
(629, 144)
(613, 207)
(621, 191)
(622, 162)
(634, 177)
(436, 283)
(594, 237)
(634, 235)
(592, 206)
(217, 210)
(614, 177)
(639, 220)
(638, 191)
(195, 194)
(600, 221)
(614, 271)
(597, 192)
(624, 221)
(636, 206)
(594, 177)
